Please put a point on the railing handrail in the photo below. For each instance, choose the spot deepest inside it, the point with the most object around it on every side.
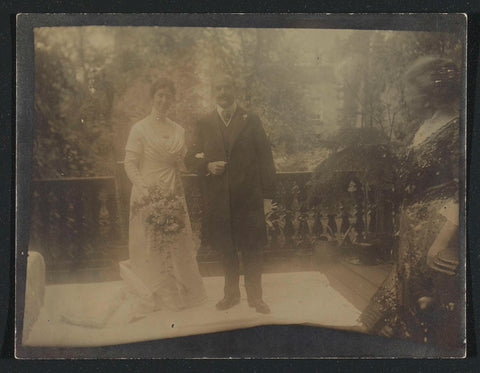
(189, 174)
(105, 178)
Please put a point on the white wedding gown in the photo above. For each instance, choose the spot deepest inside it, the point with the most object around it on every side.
(160, 274)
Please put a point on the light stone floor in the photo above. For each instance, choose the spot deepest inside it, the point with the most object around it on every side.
(295, 298)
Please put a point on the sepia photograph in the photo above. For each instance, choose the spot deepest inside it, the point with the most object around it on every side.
(186, 180)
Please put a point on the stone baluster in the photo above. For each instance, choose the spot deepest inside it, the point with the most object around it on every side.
(295, 204)
(380, 212)
(289, 231)
(80, 224)
(371, 218)
(359, 214)
(60, 212)
(40, 222)
(317, 228)
(325, 220)
(287, 199)
(345, 223)
(332, 224)
(303, 231)
(338, 225)
(94, 224)
(353, 234)
(304, 237)
(34, 239)
(276, 218)
(274, 225)
(52, 227)
(103, 216)
(70, 223)
(113, 233)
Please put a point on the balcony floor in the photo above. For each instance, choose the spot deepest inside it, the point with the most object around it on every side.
(357, 283)
(295, 298)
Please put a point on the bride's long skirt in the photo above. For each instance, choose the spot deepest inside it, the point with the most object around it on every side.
(162, 273)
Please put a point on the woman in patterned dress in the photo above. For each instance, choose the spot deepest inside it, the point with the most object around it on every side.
(409, 302)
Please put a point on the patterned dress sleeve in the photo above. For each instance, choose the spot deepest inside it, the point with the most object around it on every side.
(450, 210)
(431, 176)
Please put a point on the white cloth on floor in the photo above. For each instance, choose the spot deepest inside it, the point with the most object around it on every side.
(34, 290)
(295, 298)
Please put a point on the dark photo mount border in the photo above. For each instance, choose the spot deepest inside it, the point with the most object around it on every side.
(293, 341)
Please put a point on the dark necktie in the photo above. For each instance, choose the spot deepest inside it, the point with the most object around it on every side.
(227, 116)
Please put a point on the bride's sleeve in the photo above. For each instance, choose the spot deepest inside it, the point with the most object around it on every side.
(133, 154)
(131, 164)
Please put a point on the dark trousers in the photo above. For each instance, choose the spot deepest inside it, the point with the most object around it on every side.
(252, 268)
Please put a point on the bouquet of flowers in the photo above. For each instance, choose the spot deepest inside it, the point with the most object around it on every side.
(165, 211)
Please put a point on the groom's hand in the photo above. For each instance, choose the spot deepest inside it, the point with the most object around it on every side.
(267, 206)
(217, 167)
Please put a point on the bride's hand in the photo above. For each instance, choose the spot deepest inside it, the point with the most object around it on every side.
(143, 190)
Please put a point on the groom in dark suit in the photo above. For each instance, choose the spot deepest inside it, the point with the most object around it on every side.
(231, 150)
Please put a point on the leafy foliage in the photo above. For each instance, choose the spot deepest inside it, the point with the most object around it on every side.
(92, 84)
(371, 68)
(375, 125)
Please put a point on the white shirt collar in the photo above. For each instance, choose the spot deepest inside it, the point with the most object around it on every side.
(231, 109)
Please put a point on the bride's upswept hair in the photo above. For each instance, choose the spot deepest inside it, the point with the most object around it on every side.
(162, 83)
(437, 78)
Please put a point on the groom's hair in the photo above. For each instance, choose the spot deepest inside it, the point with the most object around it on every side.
(225, 77)
(162, 83)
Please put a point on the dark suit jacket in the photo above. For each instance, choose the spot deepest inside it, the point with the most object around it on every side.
(234, 200)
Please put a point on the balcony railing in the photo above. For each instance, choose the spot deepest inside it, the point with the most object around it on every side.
(83, 222)
(75, 222)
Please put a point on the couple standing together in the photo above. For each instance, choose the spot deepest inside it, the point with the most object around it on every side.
(231, 152)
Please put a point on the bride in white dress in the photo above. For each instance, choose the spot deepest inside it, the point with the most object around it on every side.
(162, 270)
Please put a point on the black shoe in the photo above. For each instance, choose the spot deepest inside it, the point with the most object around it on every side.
(260, 306)
(227, 302)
